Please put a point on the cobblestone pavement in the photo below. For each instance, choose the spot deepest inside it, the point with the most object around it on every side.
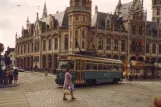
(36, 90)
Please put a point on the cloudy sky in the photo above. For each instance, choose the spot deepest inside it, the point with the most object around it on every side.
(13, 14)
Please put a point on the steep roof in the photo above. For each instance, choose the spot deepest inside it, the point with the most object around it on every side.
(99, 20)
(152, 28)
(61, 18)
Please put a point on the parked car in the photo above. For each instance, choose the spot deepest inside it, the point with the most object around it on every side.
(19, 69)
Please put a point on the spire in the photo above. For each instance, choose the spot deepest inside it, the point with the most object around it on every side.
(37, 17)
(27, 19)
(119, 4)
(44, 11)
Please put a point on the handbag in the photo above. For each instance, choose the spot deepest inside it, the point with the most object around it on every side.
(67, 92)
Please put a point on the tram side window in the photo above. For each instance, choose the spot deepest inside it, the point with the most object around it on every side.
(82, 64)
(88, 65)
(70, 65)
(94, 65)
(77, 62)
(100, 66)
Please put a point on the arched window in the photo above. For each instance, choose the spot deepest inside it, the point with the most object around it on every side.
(140, 30)
(147, 47)
(133, 29)
(66, 42)
(44, 45)
(115, 45)
(76, 39)
(24, 49)
(100, 43)
(56, 43)
(76, 2)
(108, 44)
(108, 23)
(28, 48)
(50, 44)
(83, 2)
(83, 39)
(70, 39)
(158, 11)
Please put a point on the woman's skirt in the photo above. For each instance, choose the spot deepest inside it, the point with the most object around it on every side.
(15, 78)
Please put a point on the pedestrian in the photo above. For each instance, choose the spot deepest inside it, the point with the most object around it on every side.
(15, 73)
(6, 76)
(68, 84)
(46, 72)
(10, 75)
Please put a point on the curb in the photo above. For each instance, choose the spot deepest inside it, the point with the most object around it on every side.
(7, 86)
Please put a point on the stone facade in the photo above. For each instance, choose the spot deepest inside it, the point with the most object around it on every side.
(74, 29)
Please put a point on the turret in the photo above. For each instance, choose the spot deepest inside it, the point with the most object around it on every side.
(79, 14)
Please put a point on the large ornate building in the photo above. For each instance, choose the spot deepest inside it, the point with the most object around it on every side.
(109, 34)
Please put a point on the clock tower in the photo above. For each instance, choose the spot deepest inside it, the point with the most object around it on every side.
(156, 11)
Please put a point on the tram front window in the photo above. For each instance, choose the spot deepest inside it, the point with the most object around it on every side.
(65, 64)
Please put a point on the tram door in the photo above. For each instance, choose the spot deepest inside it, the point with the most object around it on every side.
(80, 68)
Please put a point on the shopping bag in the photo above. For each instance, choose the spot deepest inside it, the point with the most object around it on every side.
(67, 92)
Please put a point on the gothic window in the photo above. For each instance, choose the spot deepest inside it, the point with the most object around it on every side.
(133, 29)
(158, 20)
(44, 45)
(56, 44)
(158, 12)
(123, 45)
(159, 48)
(133, 46)
(100, 43)
(140, 30)
(108, 44)
(147, 48)
(76, 18)
(70, 39)
(108, 23)
(115, 45)
(28, 48)
(76, 39)
(76, 2)
(24, 49)
(83, 37)
(84, 18)
(32, 47)
(83, 2)
(50, 44)
(66, 42)
(154, 49)
(35, 47)
(38, 45)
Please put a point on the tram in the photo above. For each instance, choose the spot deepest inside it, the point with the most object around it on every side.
(88, 69)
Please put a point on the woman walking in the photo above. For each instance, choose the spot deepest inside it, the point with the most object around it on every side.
(68, 83)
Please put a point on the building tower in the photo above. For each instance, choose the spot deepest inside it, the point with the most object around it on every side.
(156, 11)
(45, 14)
(79, 20)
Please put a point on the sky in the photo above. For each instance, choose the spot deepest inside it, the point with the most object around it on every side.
(14, 13)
